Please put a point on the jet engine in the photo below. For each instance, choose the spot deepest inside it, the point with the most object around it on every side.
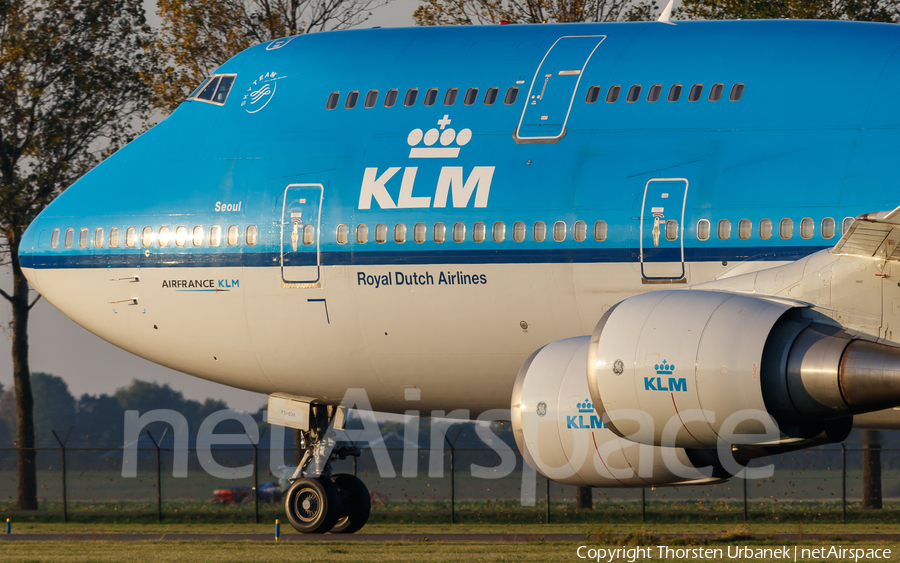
(690, 368)
(562, 437)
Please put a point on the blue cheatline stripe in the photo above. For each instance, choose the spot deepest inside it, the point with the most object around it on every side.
(410, 257)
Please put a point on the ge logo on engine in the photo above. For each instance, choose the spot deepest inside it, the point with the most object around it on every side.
(618, 367)
(541, 408)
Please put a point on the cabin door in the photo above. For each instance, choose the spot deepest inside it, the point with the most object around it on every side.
(662, 230)
(553, 89)
(301, 212)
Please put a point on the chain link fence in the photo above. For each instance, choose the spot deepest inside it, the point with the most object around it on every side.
(87, 484)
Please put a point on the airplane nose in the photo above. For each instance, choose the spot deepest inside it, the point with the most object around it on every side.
(27, 248)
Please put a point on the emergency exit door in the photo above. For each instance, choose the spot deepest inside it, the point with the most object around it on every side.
(662, 230)
(301, 212)
(553, 89)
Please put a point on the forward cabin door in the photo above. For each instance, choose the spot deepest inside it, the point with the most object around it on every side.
(662, 230)
(301, 213)
(553, 89)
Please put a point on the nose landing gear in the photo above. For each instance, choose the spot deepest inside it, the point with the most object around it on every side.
(318, 502)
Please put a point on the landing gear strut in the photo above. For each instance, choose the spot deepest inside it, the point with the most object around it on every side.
(317, 501)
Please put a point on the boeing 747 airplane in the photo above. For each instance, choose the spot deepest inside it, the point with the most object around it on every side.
(644, 240)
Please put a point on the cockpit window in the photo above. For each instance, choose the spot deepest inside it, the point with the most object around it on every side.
(214, 90)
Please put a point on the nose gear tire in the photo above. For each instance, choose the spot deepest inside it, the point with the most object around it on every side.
(313, 505)
(356, 504)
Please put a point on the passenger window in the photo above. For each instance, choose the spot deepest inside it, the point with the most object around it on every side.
(478, 232)
(381, 233)
(765, 229)
(210, 89)
(233, 235)
(703, 229)
(450, 96)
(695, 93)
(371, 99)
(163, 236)
(197, 235)
(309, 234)
(827, 228)
(54, 238)
(223, 89)
(593, 94)
(343, 234)
(490, 96)
(362, 233)
(390, 98)
(736, 92)
(350, 102)
(724, 229)
(518, 231)
(430, 96)
(807, 228)
(613, 94)
(83, 236)
(113, 237)
(674, 92)
(600, 231)
(180, 236)
(633, 94)
(499, 232)
(410, 99)
(400, 233)
(419, 233)
(559, 231)
(98, 237)
(252, 234)
(70, 237)
(459, 232)
(845, 226)
(580, 231)
(147, 236)
(716, 92)
(332, 100)
(655, 91)
(215, 235)
(130, 237)
(745, 228)
(471, 96)
(786, 229)
(511, 94)
(539, 231)
(440, 232)
(671, 229)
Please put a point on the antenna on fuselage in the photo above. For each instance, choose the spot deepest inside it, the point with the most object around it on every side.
(667, 13)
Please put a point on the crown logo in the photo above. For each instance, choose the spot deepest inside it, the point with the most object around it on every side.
(444, 136)
(664, 368)
(586, 406)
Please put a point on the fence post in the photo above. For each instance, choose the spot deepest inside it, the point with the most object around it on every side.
(843, 483)
(158, 473)
(256, 475)
(452, 481)
(745, 496)
(62, 449)
(643, 504)
(548, 501)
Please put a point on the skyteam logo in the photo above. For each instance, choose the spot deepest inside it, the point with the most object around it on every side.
(669, 384)
(260, 92)
(438, 142)
(586, 411)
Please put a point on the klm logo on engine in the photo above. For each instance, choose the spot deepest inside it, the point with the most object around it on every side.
(587, 419)
(661, 383)
(452, 183)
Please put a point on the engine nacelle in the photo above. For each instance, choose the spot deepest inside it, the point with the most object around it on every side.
(684, 368)
(563, 438)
